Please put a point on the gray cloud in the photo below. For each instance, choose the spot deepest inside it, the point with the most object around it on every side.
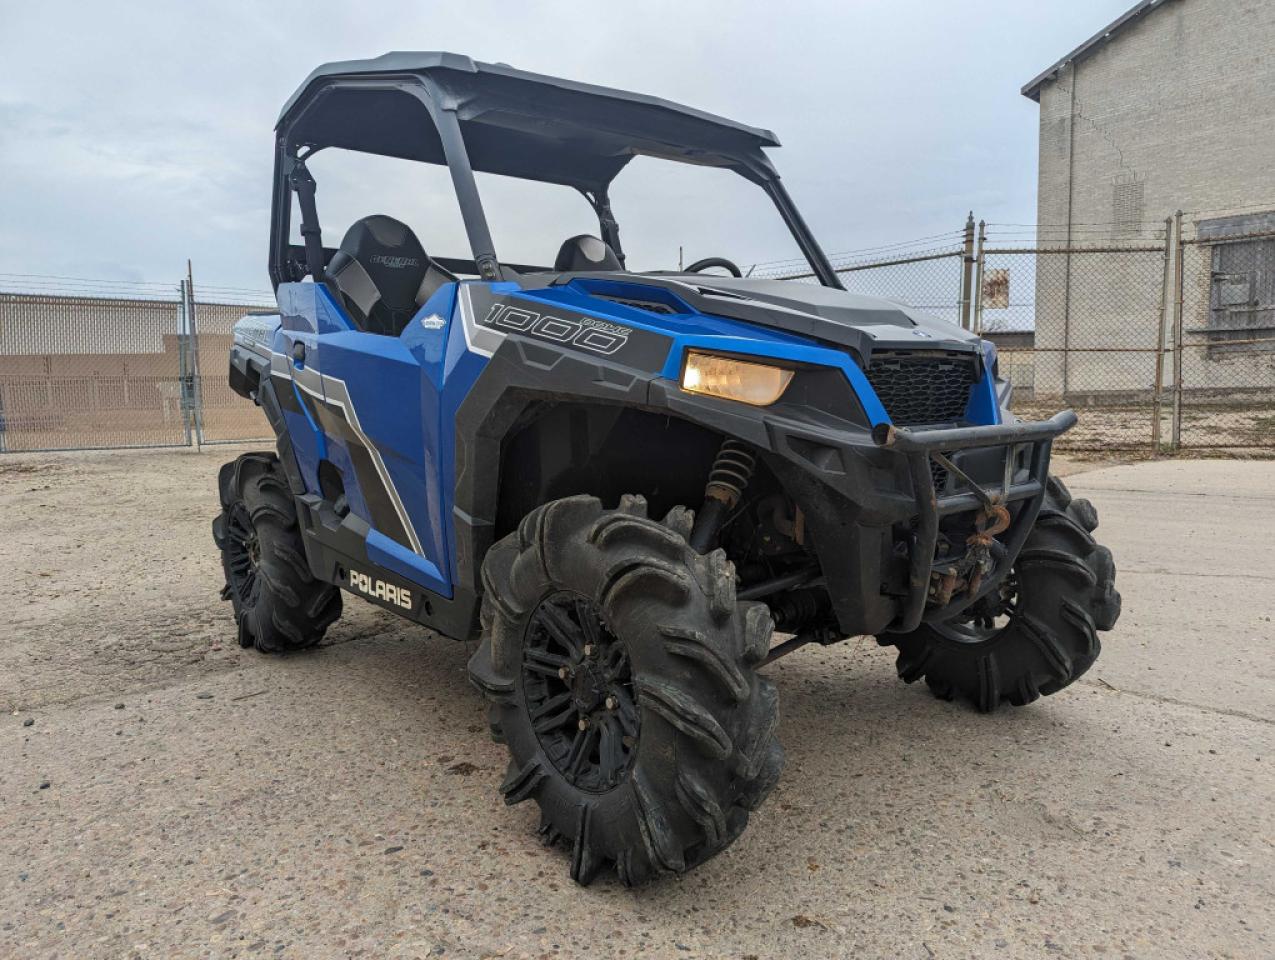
(134, 136)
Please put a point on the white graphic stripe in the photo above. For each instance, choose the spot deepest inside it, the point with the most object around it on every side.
(480, 340)
(340, 397)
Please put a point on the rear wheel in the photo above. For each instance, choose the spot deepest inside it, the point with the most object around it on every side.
(1039, 631)
(278, 603)
(621, 674)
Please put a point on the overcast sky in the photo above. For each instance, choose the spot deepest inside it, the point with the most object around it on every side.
(134, 135)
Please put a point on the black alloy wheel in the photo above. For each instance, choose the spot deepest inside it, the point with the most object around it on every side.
(579, 692)
(243, 552)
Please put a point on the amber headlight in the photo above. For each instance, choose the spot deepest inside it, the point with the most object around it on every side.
(757, 383)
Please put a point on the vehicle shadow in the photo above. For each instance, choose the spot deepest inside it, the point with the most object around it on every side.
(863, 749)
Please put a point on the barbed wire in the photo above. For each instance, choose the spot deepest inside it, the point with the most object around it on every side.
(1075, 223)
(1221, 212)
(953, 237)
(116, 289)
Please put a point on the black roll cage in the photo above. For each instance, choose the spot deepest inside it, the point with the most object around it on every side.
(453, 89)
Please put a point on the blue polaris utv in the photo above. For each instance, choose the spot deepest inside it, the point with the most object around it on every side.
(623, 484)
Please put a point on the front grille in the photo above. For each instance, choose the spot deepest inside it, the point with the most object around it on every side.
(922, 387)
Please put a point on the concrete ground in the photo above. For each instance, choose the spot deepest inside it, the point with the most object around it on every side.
(173, 796)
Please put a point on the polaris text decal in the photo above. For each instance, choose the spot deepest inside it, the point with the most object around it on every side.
(587, 333)
(380, 590)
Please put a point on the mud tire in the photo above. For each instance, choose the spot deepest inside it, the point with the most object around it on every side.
(1066, 597)
(278, 603)
(706, 752)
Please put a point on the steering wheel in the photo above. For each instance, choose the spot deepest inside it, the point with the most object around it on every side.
(699, 266)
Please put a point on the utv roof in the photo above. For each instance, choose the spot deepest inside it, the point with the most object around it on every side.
(514, 122)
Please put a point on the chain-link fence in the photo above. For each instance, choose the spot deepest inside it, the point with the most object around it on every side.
(1166, 342)
(221, 415)
(1096, 315)
(929, 279)
(1163, 343)
(1223, 339)
(81, 372)
(93, 364)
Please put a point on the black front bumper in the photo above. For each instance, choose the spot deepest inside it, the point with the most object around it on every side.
(872, 506)
(1021, 489)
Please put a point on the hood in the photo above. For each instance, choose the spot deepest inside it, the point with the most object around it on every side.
(836, 317)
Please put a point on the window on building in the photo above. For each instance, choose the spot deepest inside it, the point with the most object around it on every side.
(1241, 280)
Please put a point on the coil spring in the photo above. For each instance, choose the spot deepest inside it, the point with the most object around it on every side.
(732, 470)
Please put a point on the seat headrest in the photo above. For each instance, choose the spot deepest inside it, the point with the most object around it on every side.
(584, 252)
(384, 274)
(389, 254)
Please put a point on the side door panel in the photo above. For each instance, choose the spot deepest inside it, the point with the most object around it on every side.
(298, 385)
(381, 424)
(369, 405)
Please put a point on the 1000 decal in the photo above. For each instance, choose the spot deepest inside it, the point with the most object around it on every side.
(587, 333)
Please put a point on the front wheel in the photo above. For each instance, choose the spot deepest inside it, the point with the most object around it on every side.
(1039, 632)
(621, 674)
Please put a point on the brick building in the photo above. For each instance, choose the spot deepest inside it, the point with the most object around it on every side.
(1171, 107)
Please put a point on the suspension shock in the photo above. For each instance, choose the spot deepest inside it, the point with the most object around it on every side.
(727, 480)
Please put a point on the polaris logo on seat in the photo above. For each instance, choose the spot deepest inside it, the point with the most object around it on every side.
(587, 333)
(380, 590)
(395, 262)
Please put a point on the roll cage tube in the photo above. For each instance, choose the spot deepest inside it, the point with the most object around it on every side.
(291, 176)
(801, 233)
(600, 201)
(471, 206)
(304, 187)
(280, 217)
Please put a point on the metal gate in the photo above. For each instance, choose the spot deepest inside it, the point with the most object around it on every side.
(1097, 316)
(219, 415)
(1223, 345)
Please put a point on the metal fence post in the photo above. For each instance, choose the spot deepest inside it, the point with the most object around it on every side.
(196, 393)
(183, 362)
(978, 278)
(1178, 298)
(967, 273)
(1158, 388)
